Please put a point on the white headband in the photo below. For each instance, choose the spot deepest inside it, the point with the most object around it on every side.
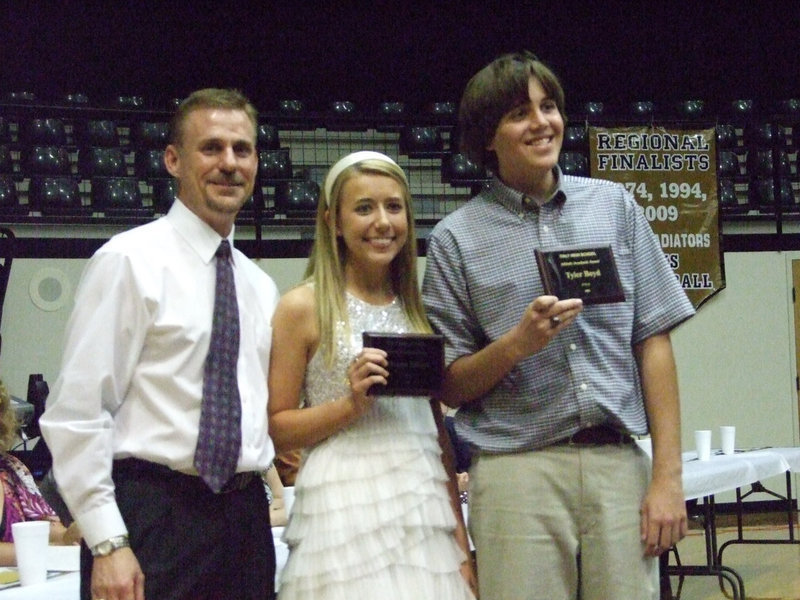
(349, 161)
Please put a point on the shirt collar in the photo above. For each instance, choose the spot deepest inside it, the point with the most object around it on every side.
(516, 201)
(196, 232)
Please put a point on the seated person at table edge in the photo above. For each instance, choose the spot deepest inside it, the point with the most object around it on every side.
(21, 499)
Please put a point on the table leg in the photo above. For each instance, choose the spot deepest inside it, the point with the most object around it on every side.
(787, 500)
(663, 576)
(713, 566)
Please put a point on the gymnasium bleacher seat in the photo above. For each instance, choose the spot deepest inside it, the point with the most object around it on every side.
(6, 159)
(457, 169)
(118, 196)
(56, 196)
(421, 141)
(149, 163)
(726, 135)
(727, 163)
(728, 198)
(5, 135)
(43, 132)
(274, 165)
(96, 132)
(75, 99)
(574, 163)
(101, 162)
(690, 110)
(297, 197)
(642, 110)
(162, 193)
(150, 135)
(267, 137)
(576, 137)
(47, 160)
(9, 199)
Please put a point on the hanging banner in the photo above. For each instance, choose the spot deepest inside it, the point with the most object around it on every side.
(672, 174)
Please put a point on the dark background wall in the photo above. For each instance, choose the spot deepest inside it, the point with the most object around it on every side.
(368, 52)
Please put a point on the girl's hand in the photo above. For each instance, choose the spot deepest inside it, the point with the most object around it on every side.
(367, 369)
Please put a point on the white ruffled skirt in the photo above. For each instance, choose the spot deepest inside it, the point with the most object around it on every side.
(371, 515)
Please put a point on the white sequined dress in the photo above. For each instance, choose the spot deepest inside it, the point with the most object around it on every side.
(371, 517)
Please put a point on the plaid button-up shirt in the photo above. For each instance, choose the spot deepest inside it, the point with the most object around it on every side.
(481, 274)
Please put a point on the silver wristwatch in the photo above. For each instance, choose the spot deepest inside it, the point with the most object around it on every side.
(108, 546)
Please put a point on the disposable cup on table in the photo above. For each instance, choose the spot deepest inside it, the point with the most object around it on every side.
(727, 434)
(288, 498)
(702, 441)
(30, 545)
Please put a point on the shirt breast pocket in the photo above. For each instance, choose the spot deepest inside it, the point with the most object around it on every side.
(623, 260)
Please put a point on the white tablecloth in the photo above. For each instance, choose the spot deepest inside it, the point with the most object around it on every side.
(791, 456)
(722, 473)
(61, 587)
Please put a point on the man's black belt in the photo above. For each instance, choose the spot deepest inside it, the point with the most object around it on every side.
(598, 435)
(128, 466)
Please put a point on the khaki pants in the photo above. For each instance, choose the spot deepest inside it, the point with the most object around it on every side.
(553, 523)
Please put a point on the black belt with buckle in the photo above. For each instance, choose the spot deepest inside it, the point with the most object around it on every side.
(132, 466)
(238, 482)
(598, 435)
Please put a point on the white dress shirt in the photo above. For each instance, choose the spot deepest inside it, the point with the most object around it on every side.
(131, 378)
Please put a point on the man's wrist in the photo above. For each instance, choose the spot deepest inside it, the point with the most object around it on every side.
(110, 545)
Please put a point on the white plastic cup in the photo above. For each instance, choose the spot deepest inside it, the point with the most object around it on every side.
(727, 434)
(30, 545)
(702, 441)
(288, 498)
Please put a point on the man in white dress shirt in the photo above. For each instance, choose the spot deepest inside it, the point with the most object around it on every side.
(123, 419)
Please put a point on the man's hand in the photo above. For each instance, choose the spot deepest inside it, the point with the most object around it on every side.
(542, 320)
(117, 576)
(664, 522)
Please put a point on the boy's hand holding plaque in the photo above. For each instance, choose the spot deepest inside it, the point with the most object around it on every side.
(416, 362)
(586, 273)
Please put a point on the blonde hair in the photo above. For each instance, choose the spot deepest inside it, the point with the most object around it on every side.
(329, 254)
(8, 419)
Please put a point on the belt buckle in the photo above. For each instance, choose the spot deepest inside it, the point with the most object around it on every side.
(599, 436)
(582, 437)
(238, 482)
